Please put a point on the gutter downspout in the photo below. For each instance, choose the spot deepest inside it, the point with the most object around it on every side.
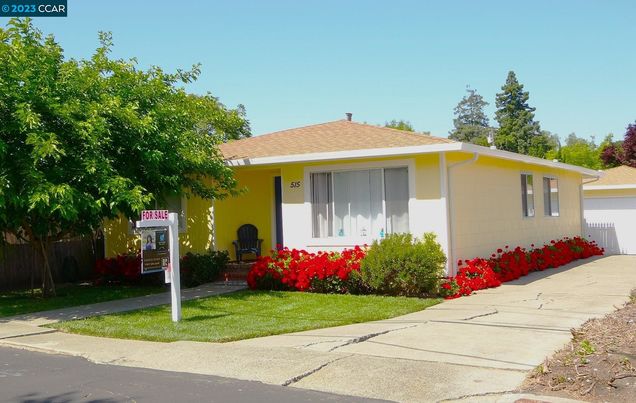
(581, 203)
(449, 212)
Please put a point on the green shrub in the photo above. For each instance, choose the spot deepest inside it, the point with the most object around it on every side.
(402, 265)
(200, 268)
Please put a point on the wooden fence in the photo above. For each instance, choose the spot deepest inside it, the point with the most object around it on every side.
(70, 259)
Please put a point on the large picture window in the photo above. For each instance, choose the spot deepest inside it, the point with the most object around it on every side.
(527, 195)
(551, 197)
(363, 203)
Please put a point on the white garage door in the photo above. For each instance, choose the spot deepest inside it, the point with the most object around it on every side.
(611, 221)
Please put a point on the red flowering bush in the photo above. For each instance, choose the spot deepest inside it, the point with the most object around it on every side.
(124, 268)
(299, 270)
(475, 274)
(510, 264)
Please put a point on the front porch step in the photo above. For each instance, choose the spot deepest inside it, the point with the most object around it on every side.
(236, 271)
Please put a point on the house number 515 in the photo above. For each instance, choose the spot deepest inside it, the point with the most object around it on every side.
(294, 184)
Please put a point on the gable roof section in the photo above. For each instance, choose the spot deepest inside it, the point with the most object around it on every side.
(341, 135)
(621, 177)
(344, 139)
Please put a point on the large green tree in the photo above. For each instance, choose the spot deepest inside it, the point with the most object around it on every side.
(85, 140)
(471, 123)
(518, 131)
(579, 151)
(400, 125)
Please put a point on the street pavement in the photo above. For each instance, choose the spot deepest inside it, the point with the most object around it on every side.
(27, 376)
(476, 348)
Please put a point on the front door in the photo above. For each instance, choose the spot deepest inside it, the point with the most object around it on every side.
(278, 203)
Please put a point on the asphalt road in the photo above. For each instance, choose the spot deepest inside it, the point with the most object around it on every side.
(32, 377)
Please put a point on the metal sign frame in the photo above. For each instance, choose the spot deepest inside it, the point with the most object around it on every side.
(172, 270)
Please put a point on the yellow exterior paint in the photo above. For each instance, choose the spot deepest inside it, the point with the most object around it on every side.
(484, 201)
(609, 192)
(255, 206)
(197, 238)
(487, 210)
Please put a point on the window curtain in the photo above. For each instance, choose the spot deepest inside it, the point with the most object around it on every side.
(396, 185)
(358, 203)
(321, 210)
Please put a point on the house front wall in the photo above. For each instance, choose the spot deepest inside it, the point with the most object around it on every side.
(482, 196)
(197, 237)
(254, 206)
(426, 205)
(486, 206)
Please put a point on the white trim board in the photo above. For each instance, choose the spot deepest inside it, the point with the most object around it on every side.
(411, 150)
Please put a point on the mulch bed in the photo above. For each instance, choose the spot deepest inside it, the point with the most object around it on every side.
(597, 365)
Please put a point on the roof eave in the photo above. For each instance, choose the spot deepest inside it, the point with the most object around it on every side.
(493, 152)
(346, 154)
(411, 150)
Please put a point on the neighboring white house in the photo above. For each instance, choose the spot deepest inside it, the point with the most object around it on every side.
(610, 210)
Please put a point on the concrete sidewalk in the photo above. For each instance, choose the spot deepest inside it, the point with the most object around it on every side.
(477, 348)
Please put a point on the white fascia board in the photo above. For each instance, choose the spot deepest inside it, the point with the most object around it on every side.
(528, 159)
(609, 187)
(347, 154)
(401, 151)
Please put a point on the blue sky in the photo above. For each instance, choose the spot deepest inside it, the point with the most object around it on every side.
(293, 63)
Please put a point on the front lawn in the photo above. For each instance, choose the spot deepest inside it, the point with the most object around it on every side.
(246, 314)
(22, 302)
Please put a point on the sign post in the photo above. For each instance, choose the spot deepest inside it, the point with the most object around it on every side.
(160, 251)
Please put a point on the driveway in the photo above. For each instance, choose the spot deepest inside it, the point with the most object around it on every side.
(474, 348)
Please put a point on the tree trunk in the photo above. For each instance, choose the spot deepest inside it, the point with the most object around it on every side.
(48, 286)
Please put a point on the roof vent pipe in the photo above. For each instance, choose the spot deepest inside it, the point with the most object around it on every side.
(349, 115)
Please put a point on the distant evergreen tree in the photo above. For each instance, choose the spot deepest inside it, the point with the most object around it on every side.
(518, 132)
(471, 122)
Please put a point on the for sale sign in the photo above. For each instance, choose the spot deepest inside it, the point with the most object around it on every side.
(155, 250)
(154, 215)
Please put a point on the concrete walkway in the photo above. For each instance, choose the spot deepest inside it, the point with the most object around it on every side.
(477, 348)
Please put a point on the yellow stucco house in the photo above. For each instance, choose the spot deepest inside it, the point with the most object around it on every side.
(339, 184)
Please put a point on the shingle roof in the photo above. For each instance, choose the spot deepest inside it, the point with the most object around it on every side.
(621, 175)
(339, 135)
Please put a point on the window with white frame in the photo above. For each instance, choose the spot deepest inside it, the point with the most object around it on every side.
(551, 196)
(359, 203)
(527, 195)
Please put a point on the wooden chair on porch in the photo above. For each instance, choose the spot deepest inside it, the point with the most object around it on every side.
(247, 242)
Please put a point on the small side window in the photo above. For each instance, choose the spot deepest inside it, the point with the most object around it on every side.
(176, 204)
(551, 197)
(527, 195)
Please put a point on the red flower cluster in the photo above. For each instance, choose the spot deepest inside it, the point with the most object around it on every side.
(510, 264)
(475, 274)
(300, 270)
(122, 268)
